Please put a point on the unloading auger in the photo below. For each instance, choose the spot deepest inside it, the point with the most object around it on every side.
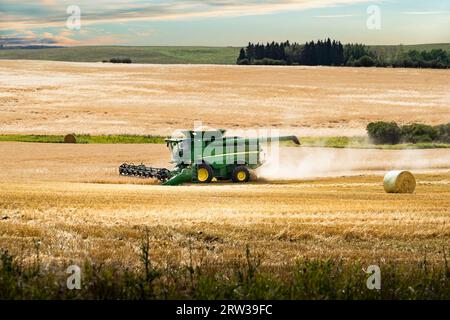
(203, 155)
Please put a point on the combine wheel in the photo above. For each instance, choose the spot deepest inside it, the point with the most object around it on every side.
(240, 174)
(204, 173)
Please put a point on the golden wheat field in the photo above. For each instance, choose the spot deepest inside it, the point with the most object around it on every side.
(60, 97)
(71, 199)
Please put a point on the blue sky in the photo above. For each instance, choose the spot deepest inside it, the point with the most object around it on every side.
(221, 22)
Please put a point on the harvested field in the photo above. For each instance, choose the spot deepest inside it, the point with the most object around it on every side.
(65, 203)
(70, 198)
(352, 218)
(61, 97)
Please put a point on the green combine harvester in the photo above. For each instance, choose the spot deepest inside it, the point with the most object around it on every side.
(201, 156)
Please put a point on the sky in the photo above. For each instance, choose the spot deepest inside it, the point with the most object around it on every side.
(221, 22)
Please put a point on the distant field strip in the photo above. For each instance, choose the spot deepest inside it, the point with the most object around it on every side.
(84, 138)
(163, 54)
(169, 55)
(359, 142)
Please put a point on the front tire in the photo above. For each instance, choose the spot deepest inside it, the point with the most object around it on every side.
(240, 174)
(204, 173)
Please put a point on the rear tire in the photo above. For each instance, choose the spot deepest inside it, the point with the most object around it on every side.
(240, 174)
(204, 173)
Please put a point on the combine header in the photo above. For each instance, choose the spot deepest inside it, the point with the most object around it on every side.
(203, 155)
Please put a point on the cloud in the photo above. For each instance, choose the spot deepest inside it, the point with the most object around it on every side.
(25, 41)
(64, 37)
(335, 16)
(425, 12)
(20, 14)
(30, 38)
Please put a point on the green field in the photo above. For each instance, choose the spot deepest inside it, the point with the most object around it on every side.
(174, 55)
(362, 142)
(389, 53)
(359, 142)
(169, 55)
(418, 47)
(83, 138)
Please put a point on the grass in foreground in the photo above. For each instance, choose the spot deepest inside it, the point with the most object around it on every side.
(242, 278)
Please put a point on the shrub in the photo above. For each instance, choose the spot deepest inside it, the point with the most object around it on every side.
(418, 132)
(271, 62)
(390, 133)
(443, 132)
(364, 61)
(243, 61)
(384, 132)
(120, 60)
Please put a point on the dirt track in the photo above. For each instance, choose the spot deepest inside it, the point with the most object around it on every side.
(61, 97)
(98, 163)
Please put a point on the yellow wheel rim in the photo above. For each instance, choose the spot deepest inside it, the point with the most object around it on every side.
(241, 176)
(202, 174)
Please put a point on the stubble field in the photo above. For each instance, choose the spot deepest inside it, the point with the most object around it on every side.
(42, 97)
(71, 198)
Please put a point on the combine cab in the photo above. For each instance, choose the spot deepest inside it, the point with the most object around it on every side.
(205, 155)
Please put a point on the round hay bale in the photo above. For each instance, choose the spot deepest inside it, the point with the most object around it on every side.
(70, 138)
(399, 181)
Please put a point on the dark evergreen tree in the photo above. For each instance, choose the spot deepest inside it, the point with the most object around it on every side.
(259, 51)
(250, 52)
(242, 55)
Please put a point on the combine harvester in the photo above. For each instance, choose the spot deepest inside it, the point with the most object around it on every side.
(203, 155)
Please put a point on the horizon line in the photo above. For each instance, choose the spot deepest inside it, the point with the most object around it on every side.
(212, 46)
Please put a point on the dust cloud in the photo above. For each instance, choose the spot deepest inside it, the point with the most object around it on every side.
(315, 162)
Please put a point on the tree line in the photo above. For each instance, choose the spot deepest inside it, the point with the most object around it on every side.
(333, 53)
